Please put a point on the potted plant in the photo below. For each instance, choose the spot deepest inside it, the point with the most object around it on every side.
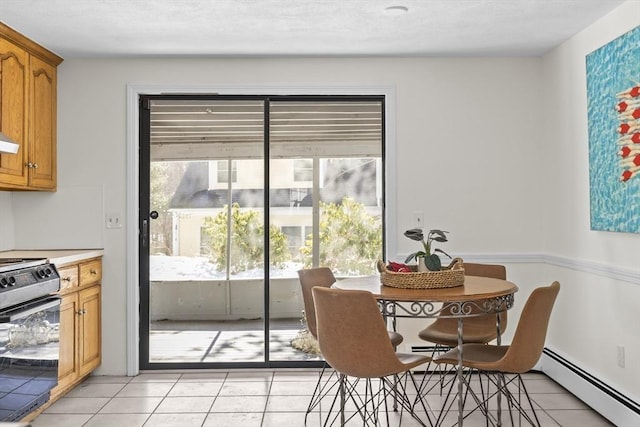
(431, 259)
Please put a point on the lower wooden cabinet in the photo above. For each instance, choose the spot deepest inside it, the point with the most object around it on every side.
(90, 330)
(80, 324)
(68, 369)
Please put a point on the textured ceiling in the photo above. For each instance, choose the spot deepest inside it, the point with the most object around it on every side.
(123, 28)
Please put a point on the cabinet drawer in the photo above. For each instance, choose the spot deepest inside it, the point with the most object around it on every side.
(90, 272)
(69, 277)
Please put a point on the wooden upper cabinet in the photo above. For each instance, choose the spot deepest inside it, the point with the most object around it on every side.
(28, 100)
(42, 124)
(13, 111)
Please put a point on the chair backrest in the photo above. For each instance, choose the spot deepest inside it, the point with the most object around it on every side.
(495, 271)
(310, 277)
(528, 340)
(352, 334)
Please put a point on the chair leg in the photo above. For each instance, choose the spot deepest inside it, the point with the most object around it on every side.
(324, 386)
(368, 402)
(514, 402)
(518, 404)
(501, 384)
(433, 368)
(397, 385)
(343, 391)
(450, 398)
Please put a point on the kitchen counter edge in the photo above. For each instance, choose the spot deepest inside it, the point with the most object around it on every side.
(55, 256)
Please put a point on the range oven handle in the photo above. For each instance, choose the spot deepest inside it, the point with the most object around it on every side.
(25, 311)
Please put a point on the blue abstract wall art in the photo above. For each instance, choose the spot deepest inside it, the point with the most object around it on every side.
(613, 103)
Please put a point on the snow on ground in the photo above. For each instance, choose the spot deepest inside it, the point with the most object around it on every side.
(180, 268)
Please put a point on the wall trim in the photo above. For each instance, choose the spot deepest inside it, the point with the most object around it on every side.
(609, 402)
(600, 269)
(586, 266)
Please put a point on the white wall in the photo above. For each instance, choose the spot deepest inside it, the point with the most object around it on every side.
(483, 146)
(6, 221)
(466, 156)
(595, 312)
(567, 159)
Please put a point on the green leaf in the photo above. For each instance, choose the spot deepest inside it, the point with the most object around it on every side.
(438, 235)
(414, 255)
(442, 252)
(415, 234)
(433, 262)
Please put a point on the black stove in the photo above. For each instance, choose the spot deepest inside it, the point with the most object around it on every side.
(29, 335)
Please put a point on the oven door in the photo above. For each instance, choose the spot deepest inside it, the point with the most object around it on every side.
(29, 353)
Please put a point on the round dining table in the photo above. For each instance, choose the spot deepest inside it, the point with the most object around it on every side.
(477, 296)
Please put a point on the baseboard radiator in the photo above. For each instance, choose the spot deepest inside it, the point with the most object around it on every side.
(610, 403)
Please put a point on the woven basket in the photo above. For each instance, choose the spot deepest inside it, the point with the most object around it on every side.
(449, 277)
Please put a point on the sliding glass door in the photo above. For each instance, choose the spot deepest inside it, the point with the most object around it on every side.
(238, 193)
(326, 168)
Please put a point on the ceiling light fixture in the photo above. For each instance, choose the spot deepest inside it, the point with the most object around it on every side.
(8, 145)
(396, 10)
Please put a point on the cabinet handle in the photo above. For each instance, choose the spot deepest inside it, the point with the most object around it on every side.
(81, 312)
(29, 165)
(93, 272)
(66, 279)
(35, 166)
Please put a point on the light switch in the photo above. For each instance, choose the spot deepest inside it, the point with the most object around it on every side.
(114, 220)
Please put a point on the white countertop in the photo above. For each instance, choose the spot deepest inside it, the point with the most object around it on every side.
(55, 256)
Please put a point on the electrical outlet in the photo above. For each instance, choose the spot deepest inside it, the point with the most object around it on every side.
(113, 220)
(418, 219)
(621, 356)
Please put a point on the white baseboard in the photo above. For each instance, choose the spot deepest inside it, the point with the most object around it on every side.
(610, 403)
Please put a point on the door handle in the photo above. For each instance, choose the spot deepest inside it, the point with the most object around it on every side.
(145, 232)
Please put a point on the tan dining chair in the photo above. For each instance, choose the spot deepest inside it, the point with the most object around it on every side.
(482, 329)
(323, 277)
(504, 364)
(354, 340)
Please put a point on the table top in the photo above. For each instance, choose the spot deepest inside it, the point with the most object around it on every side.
(474, 288)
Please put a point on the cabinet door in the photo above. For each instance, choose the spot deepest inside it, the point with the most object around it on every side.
(42, 125)
(68, 362)
(13, 108)
(90, 327)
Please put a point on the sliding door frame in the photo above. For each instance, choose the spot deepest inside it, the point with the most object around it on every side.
(134, 161)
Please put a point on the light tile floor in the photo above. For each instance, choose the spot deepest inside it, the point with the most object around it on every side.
(258, 398)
